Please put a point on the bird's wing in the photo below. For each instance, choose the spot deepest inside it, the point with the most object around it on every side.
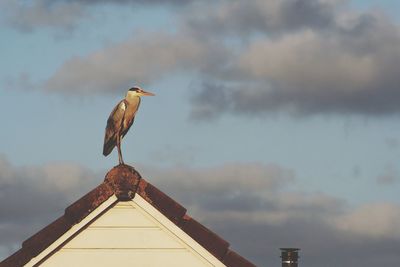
(114, 124)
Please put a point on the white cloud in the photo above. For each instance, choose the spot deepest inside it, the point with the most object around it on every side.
(340, 61)
(50, 187)
(141, 60)
(304, 57)
(245, 177)
(378, 220)
(308, 61)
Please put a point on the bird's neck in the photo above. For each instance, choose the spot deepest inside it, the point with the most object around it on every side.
(132, 98)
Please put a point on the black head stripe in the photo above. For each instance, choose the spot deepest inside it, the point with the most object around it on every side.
(134, 89)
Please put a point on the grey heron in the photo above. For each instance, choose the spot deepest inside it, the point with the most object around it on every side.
(121, 119)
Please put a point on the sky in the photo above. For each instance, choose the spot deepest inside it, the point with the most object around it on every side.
(275, 123)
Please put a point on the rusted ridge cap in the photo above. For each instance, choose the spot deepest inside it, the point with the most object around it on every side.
(123, 180)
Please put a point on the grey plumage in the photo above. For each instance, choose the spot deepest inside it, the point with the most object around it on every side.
(121, 119)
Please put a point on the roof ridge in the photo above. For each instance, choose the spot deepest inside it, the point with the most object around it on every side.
(124, 182)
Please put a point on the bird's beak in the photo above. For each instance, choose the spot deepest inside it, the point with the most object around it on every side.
(144, 93)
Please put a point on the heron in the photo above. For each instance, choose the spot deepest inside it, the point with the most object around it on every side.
(121, 119)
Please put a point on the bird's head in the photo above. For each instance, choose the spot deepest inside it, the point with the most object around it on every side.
(137, 91)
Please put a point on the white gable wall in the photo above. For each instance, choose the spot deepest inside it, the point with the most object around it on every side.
(131, 233)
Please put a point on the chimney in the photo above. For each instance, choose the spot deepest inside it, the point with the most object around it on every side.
(289, 257)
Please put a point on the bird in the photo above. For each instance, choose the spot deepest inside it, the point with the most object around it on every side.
(121, 119)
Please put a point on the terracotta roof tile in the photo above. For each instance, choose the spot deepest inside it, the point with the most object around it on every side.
(19, 258)
(166, 205)
(124, 181)
(42, 239)
(85, 205)
(232, 259)
(205, 237)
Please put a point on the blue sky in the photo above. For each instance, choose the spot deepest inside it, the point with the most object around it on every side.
(303, 91)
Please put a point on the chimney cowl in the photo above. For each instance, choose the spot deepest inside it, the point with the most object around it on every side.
(289, 257)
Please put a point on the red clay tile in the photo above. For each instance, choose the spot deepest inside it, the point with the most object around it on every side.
(205, 237)
(232, 259)
(19, 258)
(42, 239)
(85, 205)
(166, 205)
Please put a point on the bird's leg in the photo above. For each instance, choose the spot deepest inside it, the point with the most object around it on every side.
(121, 161)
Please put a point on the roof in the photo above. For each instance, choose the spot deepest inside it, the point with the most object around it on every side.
(124, 182)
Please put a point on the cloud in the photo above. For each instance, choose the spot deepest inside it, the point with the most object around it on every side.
(26, 17)
(210, 101)
(378, 220)
(297, 57)
(231, 177)
(60, 182)
(142, 60)
(33, 196)
(252, 205)
(227, 16)
(348, 67)
(243, 18)
(92, 2)
(255, 208)
(320, 243)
